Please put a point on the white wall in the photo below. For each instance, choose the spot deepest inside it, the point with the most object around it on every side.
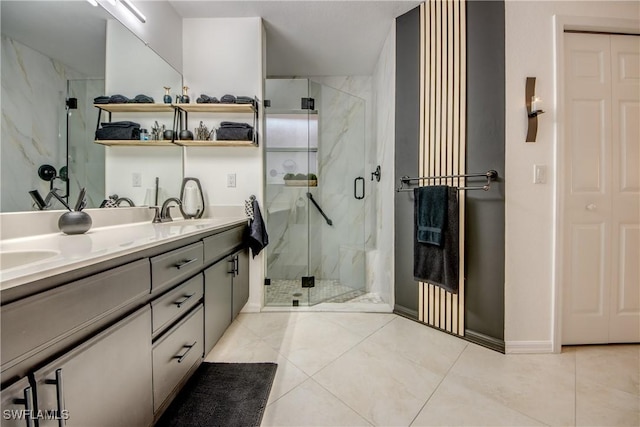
(132, 69)
(380, 260)
(162, 31)
(530, 209)
(225, 56)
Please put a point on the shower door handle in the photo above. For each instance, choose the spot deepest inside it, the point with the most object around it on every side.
(355, 188)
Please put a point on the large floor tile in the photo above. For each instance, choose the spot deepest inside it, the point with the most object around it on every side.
(453, 404)
(363, 324)
(598, 405)
(263, 324)
(310, 405)
(432, 349)
(541, 386)
(312, 342)
(379, 384)
(613, 366)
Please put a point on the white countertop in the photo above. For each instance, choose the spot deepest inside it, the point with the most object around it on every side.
(97, 245)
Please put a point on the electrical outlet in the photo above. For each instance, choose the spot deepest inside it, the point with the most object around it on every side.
(136, 179)
(231, 180)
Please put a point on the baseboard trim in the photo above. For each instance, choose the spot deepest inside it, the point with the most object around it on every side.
(405, 312)
(528, 347)
(484, 340)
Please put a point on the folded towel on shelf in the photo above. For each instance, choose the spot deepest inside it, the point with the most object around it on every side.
(438, 264)
(101, 99)
(431, 214)
(244, 100)
(118, 130)
(257, 235)
(228, 99)
(143, 99)
(205, 99)
(118, 99)
(232, 131)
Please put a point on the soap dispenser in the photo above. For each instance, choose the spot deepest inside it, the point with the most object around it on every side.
(192, 198)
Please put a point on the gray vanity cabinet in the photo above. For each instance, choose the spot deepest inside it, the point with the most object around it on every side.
(240, 282)
(226, 291)
(106, 381)
(217, 301)
(18, 406)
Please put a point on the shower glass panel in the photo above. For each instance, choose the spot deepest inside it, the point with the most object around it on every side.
(85, 159)
(314, 143)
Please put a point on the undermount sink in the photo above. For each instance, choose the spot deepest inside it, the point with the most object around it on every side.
(11, 259)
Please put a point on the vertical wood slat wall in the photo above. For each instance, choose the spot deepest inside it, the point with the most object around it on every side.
(443, 135)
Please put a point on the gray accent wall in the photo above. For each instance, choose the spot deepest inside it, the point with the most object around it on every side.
(407, 131)
(484, 216)
(484, 219)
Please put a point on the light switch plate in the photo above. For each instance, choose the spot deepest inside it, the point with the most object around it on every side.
(539, 174)
(231, 180)
(136, 179)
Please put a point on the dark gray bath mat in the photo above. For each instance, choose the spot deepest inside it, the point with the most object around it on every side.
(222, 394)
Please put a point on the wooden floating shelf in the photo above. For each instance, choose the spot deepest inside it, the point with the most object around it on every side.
(216, 108)
(190, 108)
(176, 143)
(300, 183)
(187, 143)
(134, 143)
(135, 108)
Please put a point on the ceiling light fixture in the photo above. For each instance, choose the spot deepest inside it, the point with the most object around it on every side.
(134, 10)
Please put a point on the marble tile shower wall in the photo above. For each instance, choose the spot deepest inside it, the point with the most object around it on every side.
(331, 252)
(34, 89)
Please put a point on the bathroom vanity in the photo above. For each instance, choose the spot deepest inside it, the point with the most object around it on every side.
(108, 326)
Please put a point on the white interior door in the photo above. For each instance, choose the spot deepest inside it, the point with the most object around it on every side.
(601, 283)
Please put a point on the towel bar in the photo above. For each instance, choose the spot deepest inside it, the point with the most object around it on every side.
(491, 175)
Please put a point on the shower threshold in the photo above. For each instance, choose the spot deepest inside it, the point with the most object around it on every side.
(285, 293)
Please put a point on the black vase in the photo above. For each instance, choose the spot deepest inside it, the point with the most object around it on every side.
(186, 135)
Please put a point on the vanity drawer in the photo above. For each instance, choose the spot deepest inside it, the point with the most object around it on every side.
(174, 266)
(221, 244)
(35, 323)
(175, 353)
(176, 302)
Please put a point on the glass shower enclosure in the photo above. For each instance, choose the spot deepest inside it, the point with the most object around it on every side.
(315, 193)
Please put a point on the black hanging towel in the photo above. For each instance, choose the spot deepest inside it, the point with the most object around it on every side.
(436, 238)
(257, 235)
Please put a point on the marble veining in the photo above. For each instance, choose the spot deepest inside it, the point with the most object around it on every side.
(33, 121)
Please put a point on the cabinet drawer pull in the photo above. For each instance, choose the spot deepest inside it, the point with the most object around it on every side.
(183, 300)
(59, 396)
(184, 263)
(181, 357)
(27, 401)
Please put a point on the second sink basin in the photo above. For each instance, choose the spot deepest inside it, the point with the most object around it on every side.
(11, 259)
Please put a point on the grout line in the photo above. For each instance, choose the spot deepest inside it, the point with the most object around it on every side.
(438, 386)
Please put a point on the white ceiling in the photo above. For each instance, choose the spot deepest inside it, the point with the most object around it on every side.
(303, 38)
(312, 38)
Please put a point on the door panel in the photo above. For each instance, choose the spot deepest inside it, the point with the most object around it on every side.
(602, 183)
(624, 321)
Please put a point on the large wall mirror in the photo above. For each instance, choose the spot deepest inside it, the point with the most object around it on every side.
(56, 57)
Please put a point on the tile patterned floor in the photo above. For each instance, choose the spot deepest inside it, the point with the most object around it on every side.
(352, 369)
(282, 293)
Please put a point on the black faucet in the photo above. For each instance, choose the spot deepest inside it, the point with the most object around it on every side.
(162, 214)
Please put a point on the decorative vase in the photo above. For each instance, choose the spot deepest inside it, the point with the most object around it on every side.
(185, 96)
(167, 95)
(76, 222)
(186, 135)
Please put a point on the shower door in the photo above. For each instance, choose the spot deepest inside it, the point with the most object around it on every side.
(315, 194)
